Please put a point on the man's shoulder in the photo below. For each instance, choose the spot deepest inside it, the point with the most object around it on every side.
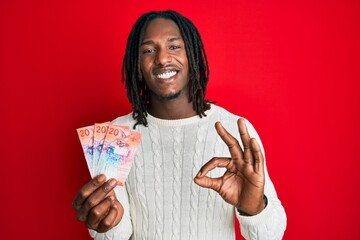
(225, 113)
(124, 120)
(228, 118)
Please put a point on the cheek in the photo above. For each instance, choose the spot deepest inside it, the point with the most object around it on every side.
(186, 68)
(144, 71)
(142, 64)
(185, 62)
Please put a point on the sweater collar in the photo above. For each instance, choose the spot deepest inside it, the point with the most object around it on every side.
(183, 121)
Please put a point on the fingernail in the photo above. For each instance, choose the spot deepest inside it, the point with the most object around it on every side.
(199, 174)
(101, 178)
(112, 183)
(109, 185)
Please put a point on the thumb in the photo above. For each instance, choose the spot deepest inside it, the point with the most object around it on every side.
(207, 182)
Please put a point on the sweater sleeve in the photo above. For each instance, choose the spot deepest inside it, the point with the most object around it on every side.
(124, 229)
(271, 222)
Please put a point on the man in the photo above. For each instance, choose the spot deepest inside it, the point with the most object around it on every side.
(166, 194)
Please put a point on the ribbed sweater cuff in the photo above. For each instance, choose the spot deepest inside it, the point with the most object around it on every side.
(258, 219)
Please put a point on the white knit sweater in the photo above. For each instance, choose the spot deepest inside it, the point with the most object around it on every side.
(161, 200)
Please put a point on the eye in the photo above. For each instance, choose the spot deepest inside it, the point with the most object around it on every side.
(148, 51)
(174, 47)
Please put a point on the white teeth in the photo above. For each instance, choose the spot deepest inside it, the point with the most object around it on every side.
(166, 75)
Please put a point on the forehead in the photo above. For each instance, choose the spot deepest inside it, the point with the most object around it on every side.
(161, 27)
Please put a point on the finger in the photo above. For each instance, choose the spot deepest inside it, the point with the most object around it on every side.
(245, 139)
(229, 140)
(258, 157)
(212, 164)
(95, 198)
(207, 182)
(99, 212)
(110, 219)
(87, 190)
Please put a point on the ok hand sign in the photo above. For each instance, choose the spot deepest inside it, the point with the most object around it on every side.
(242, 185)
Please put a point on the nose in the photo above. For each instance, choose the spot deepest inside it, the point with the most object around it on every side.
(163, 57)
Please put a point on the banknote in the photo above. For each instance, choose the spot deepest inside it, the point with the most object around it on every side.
(86, 136)
(100, 130)
(132, 143)
(118, 152)
(109, 149)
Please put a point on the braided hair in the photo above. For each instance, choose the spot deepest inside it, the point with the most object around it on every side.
(138, 92)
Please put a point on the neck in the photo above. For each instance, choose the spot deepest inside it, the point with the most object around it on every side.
(171, 109)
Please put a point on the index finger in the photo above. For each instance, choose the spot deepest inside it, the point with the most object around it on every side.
(87, 190)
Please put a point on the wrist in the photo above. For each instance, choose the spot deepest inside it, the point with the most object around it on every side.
(263, 203)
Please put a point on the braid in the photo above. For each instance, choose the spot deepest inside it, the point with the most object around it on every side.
(137, 90)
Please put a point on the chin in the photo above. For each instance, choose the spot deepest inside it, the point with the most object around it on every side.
(170, 96)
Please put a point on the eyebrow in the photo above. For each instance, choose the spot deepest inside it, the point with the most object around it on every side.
(171, 39)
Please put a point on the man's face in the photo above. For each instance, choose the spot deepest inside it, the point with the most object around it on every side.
(163, 60)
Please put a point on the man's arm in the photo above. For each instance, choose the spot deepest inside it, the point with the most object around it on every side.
(245, 183)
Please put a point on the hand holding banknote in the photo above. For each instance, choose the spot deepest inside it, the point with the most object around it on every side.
(109, 151)
(97, 206)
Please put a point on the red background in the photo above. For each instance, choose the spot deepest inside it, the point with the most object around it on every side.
(292, 69)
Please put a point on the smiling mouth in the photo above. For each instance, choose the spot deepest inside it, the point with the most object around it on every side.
(166, 75)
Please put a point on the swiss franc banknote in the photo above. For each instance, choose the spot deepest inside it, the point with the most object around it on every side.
(86, 136)
(100, 131)
(109, 149)
(118, 153)
(128, 155)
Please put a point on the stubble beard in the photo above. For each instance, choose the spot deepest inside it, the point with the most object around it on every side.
(169, 97)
